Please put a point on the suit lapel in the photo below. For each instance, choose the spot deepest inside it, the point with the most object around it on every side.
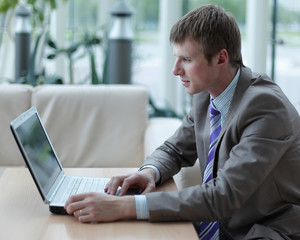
(242, 85)
(202, 101)
(201, 112)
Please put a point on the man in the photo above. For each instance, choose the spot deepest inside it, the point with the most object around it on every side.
(243, 130)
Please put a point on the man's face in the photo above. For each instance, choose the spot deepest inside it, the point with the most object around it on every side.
(195, 72)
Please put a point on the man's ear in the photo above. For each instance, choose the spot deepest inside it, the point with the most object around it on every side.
(222, 56)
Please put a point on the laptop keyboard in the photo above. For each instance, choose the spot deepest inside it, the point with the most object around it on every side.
(77, 185)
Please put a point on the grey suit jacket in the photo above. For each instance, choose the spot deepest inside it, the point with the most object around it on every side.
(256, 167)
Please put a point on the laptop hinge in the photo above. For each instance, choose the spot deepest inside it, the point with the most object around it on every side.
(55, 188)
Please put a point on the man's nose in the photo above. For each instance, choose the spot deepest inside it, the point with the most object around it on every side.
(177, 70)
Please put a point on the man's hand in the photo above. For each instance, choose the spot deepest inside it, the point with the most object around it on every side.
(144, 180)
(99, 207)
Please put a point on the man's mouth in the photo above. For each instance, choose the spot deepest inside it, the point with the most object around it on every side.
(185, 82)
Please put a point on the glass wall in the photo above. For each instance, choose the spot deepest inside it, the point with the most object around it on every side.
(91, 19)
(2, 26)
(287, 52)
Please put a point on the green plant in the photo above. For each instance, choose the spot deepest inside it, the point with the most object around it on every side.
(37, 6)
(35, 79)
(87, 42)
(39, 16)
(161, 112)
(6, 5)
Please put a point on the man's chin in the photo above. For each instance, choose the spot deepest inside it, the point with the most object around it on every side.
(192, 91)
(189, 90)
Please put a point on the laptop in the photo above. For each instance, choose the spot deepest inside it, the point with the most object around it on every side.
(54, 186)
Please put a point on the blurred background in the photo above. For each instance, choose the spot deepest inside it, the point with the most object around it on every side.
(69, 42)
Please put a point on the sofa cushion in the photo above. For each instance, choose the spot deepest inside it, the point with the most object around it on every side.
(14, 100)
(94, 126)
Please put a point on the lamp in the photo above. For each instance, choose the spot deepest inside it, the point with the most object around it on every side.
(119, 57)
(22, 41)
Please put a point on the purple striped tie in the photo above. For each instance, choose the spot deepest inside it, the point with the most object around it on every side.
(210, 230)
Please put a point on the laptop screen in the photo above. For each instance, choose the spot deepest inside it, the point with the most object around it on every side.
(38, 151)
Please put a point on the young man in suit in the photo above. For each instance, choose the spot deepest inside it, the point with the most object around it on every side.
(243, 130)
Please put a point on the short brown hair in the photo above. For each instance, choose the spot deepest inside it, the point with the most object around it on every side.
(214, 29)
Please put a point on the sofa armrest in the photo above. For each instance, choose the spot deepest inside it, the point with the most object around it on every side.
(158, 130)
(14, 100)
(188, 176)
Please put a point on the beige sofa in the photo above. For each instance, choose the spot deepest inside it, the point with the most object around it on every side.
(89, 126)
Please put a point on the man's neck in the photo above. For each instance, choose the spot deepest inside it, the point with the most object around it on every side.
(225, 77)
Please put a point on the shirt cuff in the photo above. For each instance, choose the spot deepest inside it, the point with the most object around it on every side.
(142, 211)
(157, 178)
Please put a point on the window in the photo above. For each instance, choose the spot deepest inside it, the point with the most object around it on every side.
(2, 27)
(92, 19)
(287, 60)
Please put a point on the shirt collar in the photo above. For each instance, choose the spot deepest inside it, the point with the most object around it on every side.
(226, 96)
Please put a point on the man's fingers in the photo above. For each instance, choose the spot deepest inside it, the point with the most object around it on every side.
(75, 203)
(125, 186)
(113, 185)
(144, 180)
(149, 188)
(86, 218)
(132, 181)
(74, 198)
